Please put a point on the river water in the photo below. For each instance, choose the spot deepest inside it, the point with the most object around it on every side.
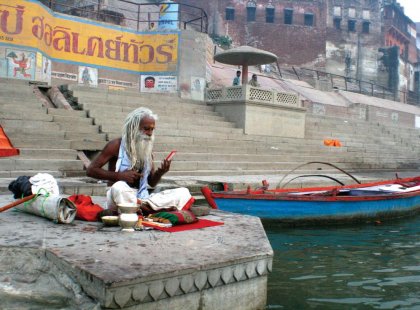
(351, 267)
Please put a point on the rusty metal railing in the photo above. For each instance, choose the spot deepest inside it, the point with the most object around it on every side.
(136, 16)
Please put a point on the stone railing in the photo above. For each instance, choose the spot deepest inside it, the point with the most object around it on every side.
(252, 94)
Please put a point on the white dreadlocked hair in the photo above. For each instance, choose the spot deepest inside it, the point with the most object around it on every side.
(130, 132)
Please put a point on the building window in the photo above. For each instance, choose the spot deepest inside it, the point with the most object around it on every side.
(251, 9)
(365, 27)
(269, 15)
(351, 25)
(366, 14)
(337, 11)
(337, 23)
(288, 16)
(309, 19)
(230, 13)
(352, 12)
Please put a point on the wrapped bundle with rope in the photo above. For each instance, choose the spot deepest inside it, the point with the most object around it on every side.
(43, 198)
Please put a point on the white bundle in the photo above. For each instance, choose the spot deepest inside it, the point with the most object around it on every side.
(46, 182)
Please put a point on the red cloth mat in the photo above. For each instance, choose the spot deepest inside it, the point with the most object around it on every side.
(197, 225)
(6, 148)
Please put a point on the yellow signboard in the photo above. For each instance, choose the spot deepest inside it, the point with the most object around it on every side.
(75, 40)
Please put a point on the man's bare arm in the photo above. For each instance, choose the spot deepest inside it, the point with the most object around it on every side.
(110, 151)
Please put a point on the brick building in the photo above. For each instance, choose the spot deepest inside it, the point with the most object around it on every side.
(343, 37)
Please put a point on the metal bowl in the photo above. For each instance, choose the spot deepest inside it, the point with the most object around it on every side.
(128, 208)
(110, 220)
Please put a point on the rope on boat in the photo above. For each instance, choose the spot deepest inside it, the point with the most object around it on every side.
(313, 175)
(316, 162)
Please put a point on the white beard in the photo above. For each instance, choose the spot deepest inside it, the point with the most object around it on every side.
(144, 148)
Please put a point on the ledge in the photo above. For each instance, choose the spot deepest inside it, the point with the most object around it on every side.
(122, 270)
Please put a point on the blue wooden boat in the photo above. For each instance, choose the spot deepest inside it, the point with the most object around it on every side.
(332, 204)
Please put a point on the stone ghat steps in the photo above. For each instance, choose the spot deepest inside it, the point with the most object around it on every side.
(157, 107)
(207, 144)
(282, 157)
(277, 172)
(165, 144)
(212, 148)
(353, 131)
(64, 154)
(187, 131)
(359, 132)
(67, 186)
(17, 163)
(73, 128)
(200, 139)
(10, 90)
(127, 95)
(7, 174)
(166, 119)
(52, 142)
(45, 137)
(283, 165)
(125, 99)
(174, 121)
(325, 123)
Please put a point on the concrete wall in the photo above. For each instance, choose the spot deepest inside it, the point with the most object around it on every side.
(264, 119)
(96, 54)
(193, 64)
(359, 111)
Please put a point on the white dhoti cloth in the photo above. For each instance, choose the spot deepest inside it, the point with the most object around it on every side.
(121, 193)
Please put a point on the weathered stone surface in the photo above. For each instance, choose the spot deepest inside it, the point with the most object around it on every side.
(28, 280)
(147, 268)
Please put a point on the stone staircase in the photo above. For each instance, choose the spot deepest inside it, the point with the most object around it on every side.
(382, 146)
(51, 139)
(48, 138)
(209, 145)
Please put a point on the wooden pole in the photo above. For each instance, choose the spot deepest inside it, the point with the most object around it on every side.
(17, 202)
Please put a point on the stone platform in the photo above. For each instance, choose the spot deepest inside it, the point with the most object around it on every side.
(222, 267)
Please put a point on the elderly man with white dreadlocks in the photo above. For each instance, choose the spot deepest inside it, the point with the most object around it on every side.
(131, 169)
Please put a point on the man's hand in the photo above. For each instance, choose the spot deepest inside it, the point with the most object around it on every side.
(164, 167)
(130, 176)
(155, 175)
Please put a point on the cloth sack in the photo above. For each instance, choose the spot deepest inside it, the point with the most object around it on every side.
(44, 181)
(56, 208)
(21, 187)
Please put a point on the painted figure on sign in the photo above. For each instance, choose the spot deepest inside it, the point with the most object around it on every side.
(23, 64)
(86, 79)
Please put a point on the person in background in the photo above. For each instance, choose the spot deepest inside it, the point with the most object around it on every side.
(237, 79)
(253, 81)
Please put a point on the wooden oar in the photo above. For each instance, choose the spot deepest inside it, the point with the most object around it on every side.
(17, 202)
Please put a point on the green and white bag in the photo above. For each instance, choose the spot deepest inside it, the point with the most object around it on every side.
(56, 208)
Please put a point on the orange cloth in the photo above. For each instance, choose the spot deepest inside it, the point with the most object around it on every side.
(86, 209)
(332, 142)
(6, 148)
